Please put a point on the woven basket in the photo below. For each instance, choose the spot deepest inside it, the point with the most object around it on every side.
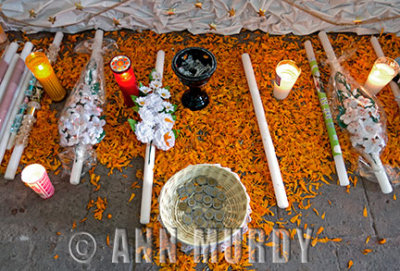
(235, 208)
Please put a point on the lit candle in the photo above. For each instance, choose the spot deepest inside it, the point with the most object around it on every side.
(123, 73)
(286, 76)
(35, 176)
(382, 72)
(40, 66)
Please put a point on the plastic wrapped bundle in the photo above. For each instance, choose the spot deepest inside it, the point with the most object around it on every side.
(359, 113)
(81, 123)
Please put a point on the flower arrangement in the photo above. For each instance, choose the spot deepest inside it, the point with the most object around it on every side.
(156, 113)
(359, 114)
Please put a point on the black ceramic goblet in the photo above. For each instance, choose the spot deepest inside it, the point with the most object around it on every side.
(194, 66)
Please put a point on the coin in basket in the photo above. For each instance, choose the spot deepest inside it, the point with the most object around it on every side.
(219, 216)
(191, 202)
(212, 191)
(212, 182)
(201, 180)
(187, 219)
(200, 222)
(219, 225)
(198, 189)
(181, 191)
(197, 212)
(182, 206)
(207, 200)
(198, 197)
(188, 210)
(221, 196)
(217, 204)
(209, 214)
(189, 188)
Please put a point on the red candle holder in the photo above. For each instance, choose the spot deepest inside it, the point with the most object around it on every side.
(123, 73)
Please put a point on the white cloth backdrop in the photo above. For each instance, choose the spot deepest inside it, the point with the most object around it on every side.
(203, 16)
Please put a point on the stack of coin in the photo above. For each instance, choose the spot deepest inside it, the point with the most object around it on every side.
(201, 203)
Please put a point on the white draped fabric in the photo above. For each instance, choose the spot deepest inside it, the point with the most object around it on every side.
(224, 17)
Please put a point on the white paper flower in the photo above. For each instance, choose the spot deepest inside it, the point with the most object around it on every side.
(349, 116)
(155, 84)
(363, 113)
(168, 107)
(357, 140)
(372, 128)
(156, 76)
(164, 140)
(144, 132)
(145, 90)
(165, 121)
(364, 101)
(164, 93)
(147, 116)
(374, 144)
(154, 102)
(354, 127)
(141, 101)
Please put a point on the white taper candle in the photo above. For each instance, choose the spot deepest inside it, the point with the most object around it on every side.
(273, 165)
(77, 165)
(149, 160)
(333, 138)
(19, 148)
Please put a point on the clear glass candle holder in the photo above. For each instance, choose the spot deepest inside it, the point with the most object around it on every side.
(382, 72)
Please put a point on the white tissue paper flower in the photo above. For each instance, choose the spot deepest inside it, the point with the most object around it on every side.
(144, 132)
(372, 128)
(164, 93)
(373, 144)
(164, 140)
(349, 116)
(168, 107)
(155, 84)
(165, 121)
(145, 90)
(154, 102)
(354, 127)
(147, 115)
(363, 101)
(156, 76)
(141, 101)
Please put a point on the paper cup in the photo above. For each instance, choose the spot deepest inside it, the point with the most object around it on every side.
(35, 176)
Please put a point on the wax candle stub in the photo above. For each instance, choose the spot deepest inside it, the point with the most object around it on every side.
(35, 176)
(382, 72)
(286, 75)
(126, 80)
(40, 66)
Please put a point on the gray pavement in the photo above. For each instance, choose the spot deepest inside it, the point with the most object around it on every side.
(29, 227)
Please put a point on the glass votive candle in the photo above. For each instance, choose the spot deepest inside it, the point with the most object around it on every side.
(382, 72)
(39, 65)
(35, 176)
(126, 80)
(286, 75)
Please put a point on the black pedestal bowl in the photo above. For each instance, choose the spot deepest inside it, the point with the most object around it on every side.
(194, 66)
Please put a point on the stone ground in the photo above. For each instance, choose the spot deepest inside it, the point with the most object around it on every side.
(29, 226)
